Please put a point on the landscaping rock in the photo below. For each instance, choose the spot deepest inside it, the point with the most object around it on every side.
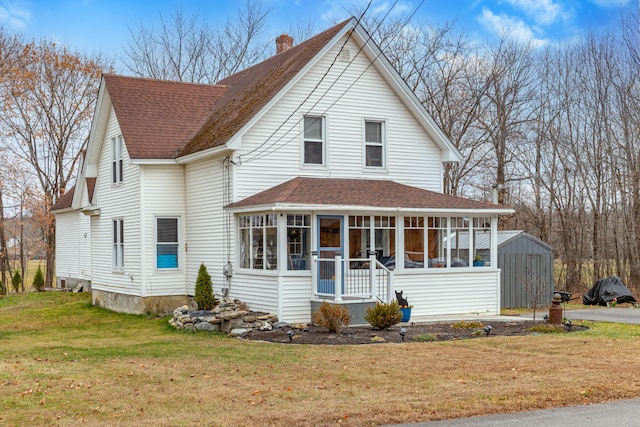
(229, 316)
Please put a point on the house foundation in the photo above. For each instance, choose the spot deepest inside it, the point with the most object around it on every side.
(134, 304)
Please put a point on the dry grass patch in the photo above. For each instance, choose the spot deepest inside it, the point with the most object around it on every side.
(111, 369)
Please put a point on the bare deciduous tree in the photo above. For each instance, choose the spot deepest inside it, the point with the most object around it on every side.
(184, 49)
(46, 119)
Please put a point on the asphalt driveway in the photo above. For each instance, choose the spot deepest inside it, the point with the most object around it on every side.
(606, 314)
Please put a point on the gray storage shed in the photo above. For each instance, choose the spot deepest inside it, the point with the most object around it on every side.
(526, 264)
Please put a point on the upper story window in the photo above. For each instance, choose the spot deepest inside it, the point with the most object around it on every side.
(313, 140)
(116, 159)
(167, 243)
(374, 144)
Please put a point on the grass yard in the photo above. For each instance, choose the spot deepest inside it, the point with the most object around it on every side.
(64, 362)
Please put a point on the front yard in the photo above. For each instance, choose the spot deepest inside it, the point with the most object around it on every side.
(64, 362)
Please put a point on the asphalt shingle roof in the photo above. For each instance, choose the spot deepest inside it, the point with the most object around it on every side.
(158, 117)
(162, 119)
(357, 192)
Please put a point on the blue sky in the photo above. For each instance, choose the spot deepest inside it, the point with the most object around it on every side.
(103, 26)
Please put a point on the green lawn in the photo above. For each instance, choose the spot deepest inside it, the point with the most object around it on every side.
(64, 362)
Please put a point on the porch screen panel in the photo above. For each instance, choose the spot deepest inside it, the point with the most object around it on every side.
(298, 242)
(459, 241)
(414, 242)
(359, 235)
(481, 242)
(385, 238)
(436, 237)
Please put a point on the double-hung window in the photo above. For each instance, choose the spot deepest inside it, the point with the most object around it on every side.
(118, 244)
(116, 159)
(313, 141)
(167, 243)
(374, 144)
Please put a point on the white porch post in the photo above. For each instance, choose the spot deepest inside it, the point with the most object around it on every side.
(338, 279)
(372, 273)
(314, 274)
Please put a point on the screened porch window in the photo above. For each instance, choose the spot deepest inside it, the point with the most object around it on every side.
(437, 240)
(481, 250)
(361, 230)
(298, 242)
(259, 242)
(413, 242)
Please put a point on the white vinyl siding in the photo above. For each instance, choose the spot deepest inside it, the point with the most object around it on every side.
(205, 226)
(158, 181)
(73, 245)
(122, 201)
(274, 153)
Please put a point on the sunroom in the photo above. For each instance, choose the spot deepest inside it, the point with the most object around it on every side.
(360, 240)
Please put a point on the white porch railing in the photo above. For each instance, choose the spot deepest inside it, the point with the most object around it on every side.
(354, 278)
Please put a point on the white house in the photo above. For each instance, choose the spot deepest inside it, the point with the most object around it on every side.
(314, 175)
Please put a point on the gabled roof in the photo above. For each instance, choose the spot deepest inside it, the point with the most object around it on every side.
(359, 193)
(157, 117)
(251, 89)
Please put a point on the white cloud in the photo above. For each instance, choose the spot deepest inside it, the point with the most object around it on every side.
(513, 28)
(611, 3)
(544, 12)
(14, 14)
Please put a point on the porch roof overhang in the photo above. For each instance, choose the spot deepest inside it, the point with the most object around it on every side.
(351, 195)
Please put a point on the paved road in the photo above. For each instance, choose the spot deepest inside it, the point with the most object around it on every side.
(621, 413)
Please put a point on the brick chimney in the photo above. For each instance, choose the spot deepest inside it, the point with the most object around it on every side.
(284, 43)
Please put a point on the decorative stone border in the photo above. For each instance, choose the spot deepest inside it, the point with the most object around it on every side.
(230, 316)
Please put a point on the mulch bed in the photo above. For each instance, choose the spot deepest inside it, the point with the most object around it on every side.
(311, 334)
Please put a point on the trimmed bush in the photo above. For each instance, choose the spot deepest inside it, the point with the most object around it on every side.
(16, 280)
(383, 316)
(38, 280)
(334, 317)
(204, 290)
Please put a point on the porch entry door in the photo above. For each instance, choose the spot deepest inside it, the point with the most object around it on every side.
(330, 244)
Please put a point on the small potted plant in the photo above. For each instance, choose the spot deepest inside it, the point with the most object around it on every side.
(405, 308)
(477, 261)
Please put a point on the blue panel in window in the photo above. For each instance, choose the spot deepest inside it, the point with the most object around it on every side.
(167, 256)
(167, 261)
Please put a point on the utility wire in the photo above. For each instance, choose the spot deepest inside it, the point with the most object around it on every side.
(266, 152)
(310, 93)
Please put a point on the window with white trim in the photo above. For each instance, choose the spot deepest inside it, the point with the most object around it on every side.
(374, 144)
(167, 243)
(259, 242)
(118, 243)
(298, 242)
(313, 140)
(116, 159)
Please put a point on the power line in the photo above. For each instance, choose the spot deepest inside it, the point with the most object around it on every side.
(310, 93)
(267, 152)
